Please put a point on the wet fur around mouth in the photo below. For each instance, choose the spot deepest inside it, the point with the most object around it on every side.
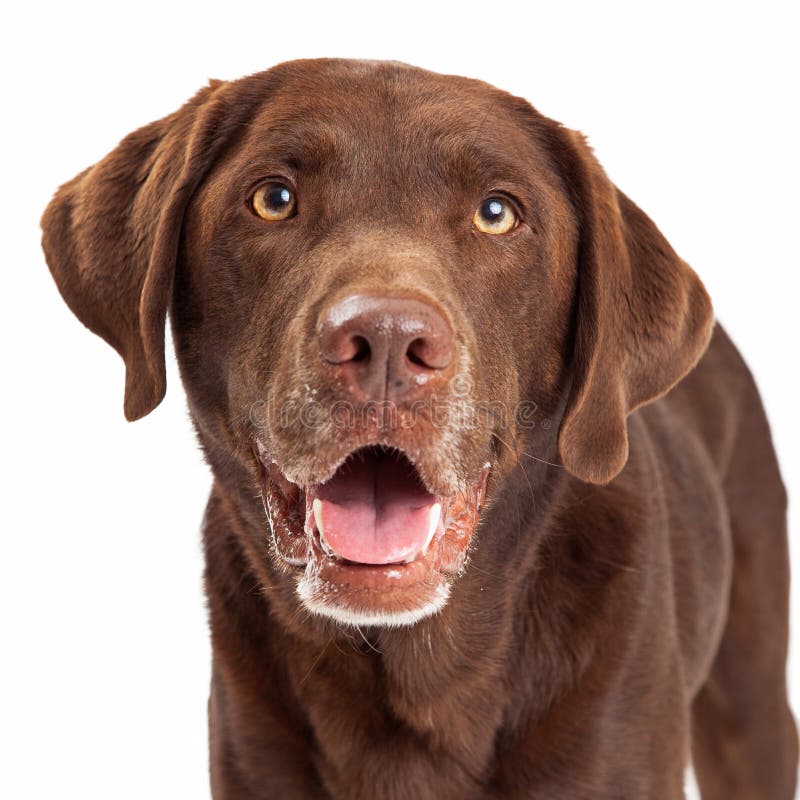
(622, 599)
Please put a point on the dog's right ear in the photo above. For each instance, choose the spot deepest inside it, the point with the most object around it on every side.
(111, 234)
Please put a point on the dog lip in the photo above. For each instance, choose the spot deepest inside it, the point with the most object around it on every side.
(267, 462)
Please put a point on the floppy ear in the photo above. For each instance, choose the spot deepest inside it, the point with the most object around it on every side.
(111, 234)
(643, 318)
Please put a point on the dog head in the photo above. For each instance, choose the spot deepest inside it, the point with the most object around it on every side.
(385, 285)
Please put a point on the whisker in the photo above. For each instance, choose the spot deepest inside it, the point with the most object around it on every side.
(316, 661)
(513, 452)
(542, 461)
(367, 642)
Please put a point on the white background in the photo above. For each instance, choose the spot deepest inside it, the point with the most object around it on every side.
(105, 657)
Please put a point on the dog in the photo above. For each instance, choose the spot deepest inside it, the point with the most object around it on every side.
(506, 489)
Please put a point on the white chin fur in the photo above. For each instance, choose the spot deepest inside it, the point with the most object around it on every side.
(355, 618)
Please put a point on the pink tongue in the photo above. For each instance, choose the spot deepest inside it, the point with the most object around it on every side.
(375, 510)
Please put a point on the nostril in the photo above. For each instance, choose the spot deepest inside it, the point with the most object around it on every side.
(432, 352)
(361, 349)
(414, 353)
(338, 346)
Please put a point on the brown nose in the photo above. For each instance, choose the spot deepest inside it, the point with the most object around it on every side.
(385, 346)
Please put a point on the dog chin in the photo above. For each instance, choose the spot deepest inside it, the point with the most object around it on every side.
(315, 600)
(371, 546)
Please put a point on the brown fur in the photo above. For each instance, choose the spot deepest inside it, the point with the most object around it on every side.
(617, 611)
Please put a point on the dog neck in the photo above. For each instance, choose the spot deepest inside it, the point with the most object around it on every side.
(444, 683)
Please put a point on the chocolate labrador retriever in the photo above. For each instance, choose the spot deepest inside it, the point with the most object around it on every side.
(525, 530)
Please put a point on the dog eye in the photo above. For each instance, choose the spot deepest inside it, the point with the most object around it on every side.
(274, 201)
(495, 215)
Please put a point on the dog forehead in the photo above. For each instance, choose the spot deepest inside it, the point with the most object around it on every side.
(316, 107)
(325, 83)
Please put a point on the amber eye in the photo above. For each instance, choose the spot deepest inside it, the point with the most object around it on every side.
(495, 215)
(274, 201)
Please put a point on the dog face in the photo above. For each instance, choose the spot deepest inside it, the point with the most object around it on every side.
(375, 275)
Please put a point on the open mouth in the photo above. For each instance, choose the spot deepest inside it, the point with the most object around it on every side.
(372, 545)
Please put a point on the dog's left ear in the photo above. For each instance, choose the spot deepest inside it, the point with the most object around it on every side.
(643, 318)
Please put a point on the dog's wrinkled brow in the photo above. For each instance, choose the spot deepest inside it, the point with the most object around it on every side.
(316, 144)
